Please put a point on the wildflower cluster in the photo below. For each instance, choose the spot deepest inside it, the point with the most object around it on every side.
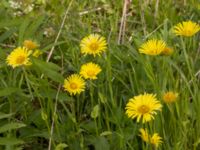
(94, 45)
(157, 47)
(20, 56)
(155, 139)
(145, 106)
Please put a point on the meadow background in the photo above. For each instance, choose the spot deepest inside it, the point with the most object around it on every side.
(37, 114)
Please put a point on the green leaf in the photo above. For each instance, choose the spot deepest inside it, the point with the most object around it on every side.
(7, 34)
(95, 112)
(10, 141)
(11, 126)
(105, 133)
(61, 146)
(22, 30)
(47, 65)
(51, 93)
(34, 26)
(2, 115)
(8, 91)
(12, 22)
(49, 69)
(101, 143)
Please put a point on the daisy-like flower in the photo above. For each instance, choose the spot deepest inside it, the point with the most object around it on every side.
(155, 140)
(186, 28)
(168, 51)
(90, 70)
(93, 44)
(30, 44)
(170, 97)
(152, 47)
(74, 84)
(37, 53)
(143, 107)
(19, 57)
(144, 135)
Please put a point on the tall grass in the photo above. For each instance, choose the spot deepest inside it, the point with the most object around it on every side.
(37, 114)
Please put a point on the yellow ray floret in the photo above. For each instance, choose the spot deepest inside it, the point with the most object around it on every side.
(152, 47)
(144, 135)
(143, 107)
(74, 84)
(156, 140)
(186, 28)
(168, 51)
(90, 70)
(19, 57)
(29, 44)
(37, 53)
(170, 97)
(93, 44)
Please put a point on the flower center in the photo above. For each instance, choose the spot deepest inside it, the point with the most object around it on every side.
(143, 109)
(90, 73)
(94, 46)
(73, 86)
(20, 59)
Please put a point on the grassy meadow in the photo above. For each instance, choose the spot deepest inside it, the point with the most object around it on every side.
(99, 75)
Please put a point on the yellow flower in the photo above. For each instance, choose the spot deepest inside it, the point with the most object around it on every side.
(30, 44)
(153, 47)
(37, 53)
(144, 135)
(74, 84)
(90, 71)
(93, 44)
(19, 57)
(186, 28)
(143, 106)
(156, 140)
(167, 51)
(170, 97)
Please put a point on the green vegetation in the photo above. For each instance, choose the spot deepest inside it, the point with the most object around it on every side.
(36, 113)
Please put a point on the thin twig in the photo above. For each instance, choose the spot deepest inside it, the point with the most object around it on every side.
(53, 120)
(59, 32)
(90, 11)
(7, 45)
(123, 22)
(148, 35)
(142, 17)
(55, 106)
(156, 9)
(196, 74)
(59, 88)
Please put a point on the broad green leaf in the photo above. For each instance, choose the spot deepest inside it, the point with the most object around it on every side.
(34, 26)
(11, 126)
(105, 133)
(101, 144)
(8, 91)
(50, 70)
(47, 65)
(95, 112)
(13, 22)
(22, 30)
(7, 34)
(51, 93)
(10, 141)
(48, 47)
(61, 146)
(2, 115)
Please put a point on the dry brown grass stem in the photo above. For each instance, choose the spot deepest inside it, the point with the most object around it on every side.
(123, 22)
(59, 32)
